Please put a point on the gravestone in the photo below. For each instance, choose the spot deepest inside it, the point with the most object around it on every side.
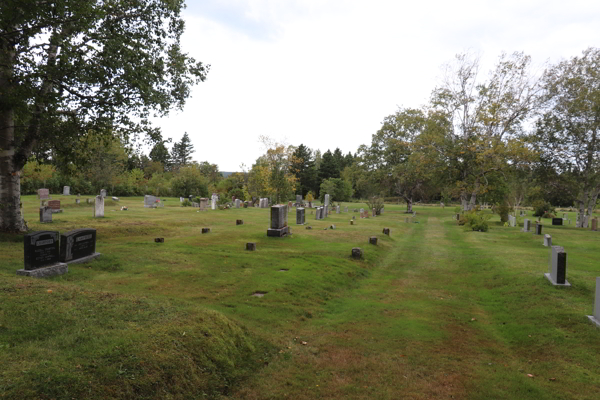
(66, 190)
(237, 203)
(557, 221)
(326, 200)
(565, 216)
(115, 198)
(299, 215)
(251, 246)
(213, 202)
(43, 194)
(103, 193)
(279, 227)
(373, 240)
(595, 318)
(538, 229)
(205, 230)
(374, 212)
(78, 246)
(77, 201)
(595, 224)
(457, 216)
(362, 210)
(512, 221)
(547, 240)
(55, 206)
(204, 203)
(298, 200)
(345, 209)
(181, 199)
(526, 225)
(149, 201)
(357, 253)
(557, 268)
(351, 222)
(45, 214)
(381, 211)
(386, 231)
(159, 240)
(337, 209)
(239, 222)
(41, 253)
(99, 207)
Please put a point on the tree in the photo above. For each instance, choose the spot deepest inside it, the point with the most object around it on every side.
(70, 67)
(271, 174)
(330, 167)
(181, 153)
(189, 181)
(487, 119)
(339, 189)
(568, 133)
(160, 154)
(303, 168)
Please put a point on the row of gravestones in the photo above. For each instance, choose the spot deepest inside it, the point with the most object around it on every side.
(54, 207)
(44, 194)
(46, 253)
(557, 262)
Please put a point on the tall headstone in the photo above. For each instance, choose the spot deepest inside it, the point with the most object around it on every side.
(595, 318)
(299, 216)
(557, 268)
(526, 225)
(374, 212)
(99, 207)
(538, 229)
(299, 200)
(337, 209)
(66, 190)
(103, 193)
(547, 240)
(41, 251)
(78, 246)
(279, 226)
(45, 214)
(326, 200)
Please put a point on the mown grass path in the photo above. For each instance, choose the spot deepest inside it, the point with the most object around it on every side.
(441, 316)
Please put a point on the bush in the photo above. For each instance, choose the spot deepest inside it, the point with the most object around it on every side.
(502, 210)
(186, 203)
(475, 220)
(543, 209)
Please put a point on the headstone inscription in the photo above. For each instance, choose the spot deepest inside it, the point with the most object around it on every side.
(547, 240)
(595, 318)
(55, 206)
(557, 268)
(41, 255)
(299, 215)
(45, 214)
(78, 246)
(557, 221)
(279, 227)
(66, 190)
(99, 207)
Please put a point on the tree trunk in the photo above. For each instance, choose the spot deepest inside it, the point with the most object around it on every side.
(409, 205)
(11, 216)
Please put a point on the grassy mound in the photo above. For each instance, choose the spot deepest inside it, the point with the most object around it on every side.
(58, 341)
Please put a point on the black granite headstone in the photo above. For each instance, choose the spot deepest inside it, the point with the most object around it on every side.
(77, 244)
(561, 267)
(557, 221)
(41, 249)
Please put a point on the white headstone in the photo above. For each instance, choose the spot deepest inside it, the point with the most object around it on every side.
(547, 240)
(99, 207)
(66, 190)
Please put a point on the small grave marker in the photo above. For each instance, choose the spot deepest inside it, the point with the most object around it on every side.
(251, 246)
(357, 253)
(373, 240)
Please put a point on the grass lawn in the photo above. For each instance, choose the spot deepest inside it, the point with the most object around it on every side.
(432, 311)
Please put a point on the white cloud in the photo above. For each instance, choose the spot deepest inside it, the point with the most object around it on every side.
(325, 73)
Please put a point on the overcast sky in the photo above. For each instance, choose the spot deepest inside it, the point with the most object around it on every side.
(324, 73)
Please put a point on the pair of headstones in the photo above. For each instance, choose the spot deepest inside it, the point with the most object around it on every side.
(45, 255)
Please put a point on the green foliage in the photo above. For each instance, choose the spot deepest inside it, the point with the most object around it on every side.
(543, 209)
(181, 153)
(338, 189)
(186, 203)
(475, 221)
(503, 209)
(189, 181)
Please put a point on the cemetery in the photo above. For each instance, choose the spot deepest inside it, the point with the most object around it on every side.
(459, 300)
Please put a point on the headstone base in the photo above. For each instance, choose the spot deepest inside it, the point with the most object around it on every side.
(278, 232)
(45, 272)
(549, 277)
(84, 259)
(594, 320)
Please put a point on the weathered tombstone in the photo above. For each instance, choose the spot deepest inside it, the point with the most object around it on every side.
(41, 253)
(596, 317)
(557, 268)
(213, 202)
(595, 224)
(45, 214)
(357, 253)
(205, 230)
(66, 190)
(43, 194)
(279, 226)
(374, 212)
(538, 229)
(299, 215)
(55, 206)
(547, 240)
(526, 225)
(78, 246)
(382, 210)
(99, 207)
(149, 201)
(326, 200)
(251, 246)
(317, 212)
(299, 200)
(239, 222)
(337, 209)
(204, 203)
(103, 193)
(386, 231)
(557, 221)
(159, 240)
(77, 201)
(332, 227)
(353, 217)
(115, 198)
(373, 240)
(237, 203)
(351, 222)
(512, 221)
(181, 199)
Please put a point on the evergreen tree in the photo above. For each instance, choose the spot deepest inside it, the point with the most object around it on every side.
(181, 154)
(303, 167)
(160, 154)
(330, 168)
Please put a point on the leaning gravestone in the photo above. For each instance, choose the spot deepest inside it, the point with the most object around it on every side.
(596, 317)
(99, 207)
(299, 216)
(45, 214)
(66, 190)
(41, 255)
(557, 268)
(78, 246)
(279, 227)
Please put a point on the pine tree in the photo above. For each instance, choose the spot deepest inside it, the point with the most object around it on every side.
(181, 154)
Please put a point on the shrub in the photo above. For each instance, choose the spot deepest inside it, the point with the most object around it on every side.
(186, 203)
(502, 210)
(475, 220)
(543, 209)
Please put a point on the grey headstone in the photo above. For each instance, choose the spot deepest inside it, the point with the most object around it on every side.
(103, 193)
(66, 191)
(299, 216)
(149, 201)
(278, 216)
(357, 253)
(526, 225)
(237, 203)
(596, 317)
(77, 201)
(547, 240)
(557, 269)
(299, 199)
(337, 210)
(43, 194)
(45, 214)
(99, 207)
(326, 200)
